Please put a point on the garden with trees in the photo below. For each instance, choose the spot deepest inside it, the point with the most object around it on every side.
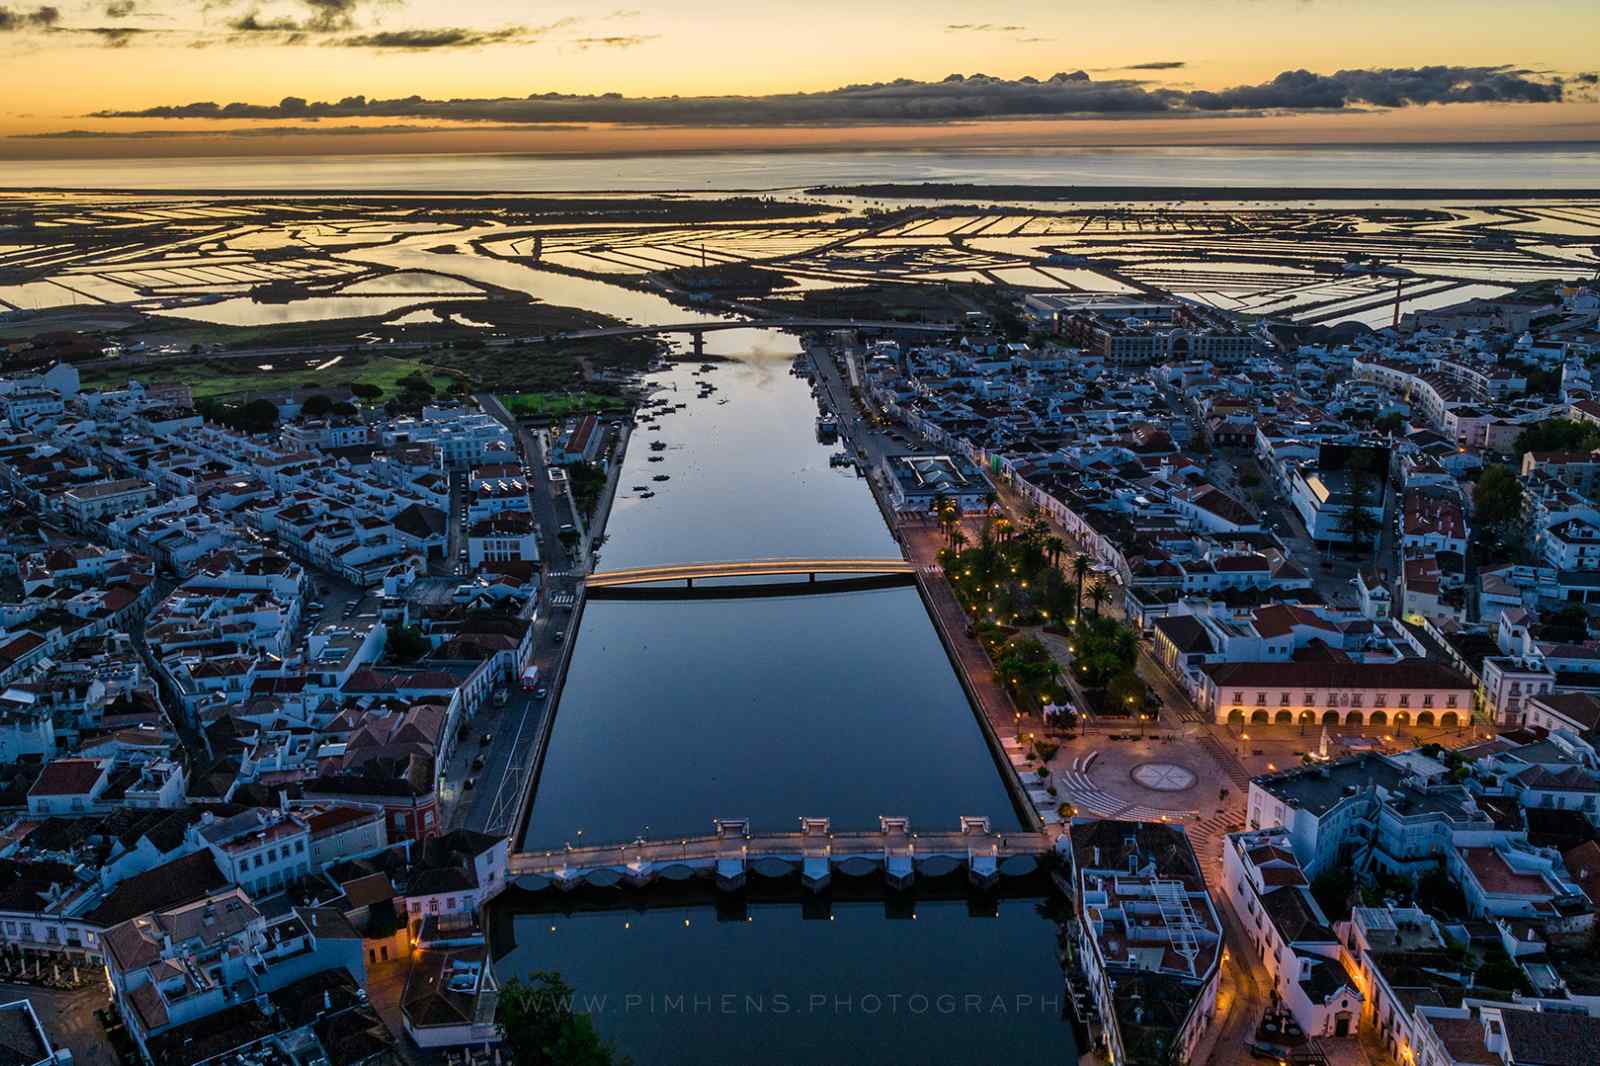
(1018, 579)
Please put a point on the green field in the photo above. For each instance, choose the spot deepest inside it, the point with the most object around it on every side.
(216, 378)
(559, 404)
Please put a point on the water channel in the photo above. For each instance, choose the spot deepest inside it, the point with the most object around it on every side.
(678, 711)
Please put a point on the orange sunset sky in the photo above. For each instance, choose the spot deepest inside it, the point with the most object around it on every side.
(120, 76)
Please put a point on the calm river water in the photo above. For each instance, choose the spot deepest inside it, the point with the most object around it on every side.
(844, 705)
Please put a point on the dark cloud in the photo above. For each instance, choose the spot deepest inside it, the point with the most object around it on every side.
(268, 131)
(429, 40)
(333, 13)
(330, 16)
(955, 99)
(119, 9)
(1588, 77)
(1158, 64)
(982, 27)
(322, 18)
(280, 30)
(13, 20)
(112, 36)
(620, 40)
(1394, 87)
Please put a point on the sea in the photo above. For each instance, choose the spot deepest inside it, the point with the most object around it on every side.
(1536, 166)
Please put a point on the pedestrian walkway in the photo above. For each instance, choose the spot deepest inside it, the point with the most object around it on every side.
(1078, 789)
(1226, 759)
(562, 599)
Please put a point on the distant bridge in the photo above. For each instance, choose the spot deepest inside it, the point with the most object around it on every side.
(698, 328)
(688, 572)
(815, 852)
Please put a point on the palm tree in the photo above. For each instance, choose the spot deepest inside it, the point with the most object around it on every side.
(1097, 596)
(958, 540)
(1080, 570)
(1054, 546)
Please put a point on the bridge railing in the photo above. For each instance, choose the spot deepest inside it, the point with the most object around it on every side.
(710, 847)
(746, 568)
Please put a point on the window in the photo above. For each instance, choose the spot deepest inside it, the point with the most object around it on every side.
(1311, 697)
(1405, 701)
(1449, 701)
(1379, 700)
(1427, 701)
(1283, 699)
(1238, 697)
(1261, 699)
(299, 847)
(433, 905)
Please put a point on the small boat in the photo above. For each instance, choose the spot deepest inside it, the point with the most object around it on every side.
(657, 458)
(646, 495)
(658, 446)
(641, 488)
(661, 477)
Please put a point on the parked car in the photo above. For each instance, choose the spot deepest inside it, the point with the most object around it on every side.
(477, 764)
(540, 693)
(485, 740)
(561, 635)
(467, 785)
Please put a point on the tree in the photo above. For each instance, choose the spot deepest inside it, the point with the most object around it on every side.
(1332, 890)
(1080, 570)
(941, 511)
(406, 645)
(364, 391)
(1558, 435)
(1026, 662)
(540, 1027)
(1054, 546)
(1125, 693)
(257, 416)
(1497, 497)
(1391, 423)
(1357, 521)
(317, 406)
(1097, 596)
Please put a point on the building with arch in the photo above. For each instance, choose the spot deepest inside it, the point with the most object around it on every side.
(1411, 693)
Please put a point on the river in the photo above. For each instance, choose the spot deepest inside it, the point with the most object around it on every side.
(843, 705)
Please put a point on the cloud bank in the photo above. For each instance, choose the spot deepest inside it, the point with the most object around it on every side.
(957, 98)
(13, 20)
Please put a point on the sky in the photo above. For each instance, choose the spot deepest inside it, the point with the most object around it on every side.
(107, 78)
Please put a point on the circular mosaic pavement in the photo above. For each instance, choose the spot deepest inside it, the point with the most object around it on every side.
(1163, 776)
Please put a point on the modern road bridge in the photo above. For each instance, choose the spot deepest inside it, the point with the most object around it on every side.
(688, 572)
